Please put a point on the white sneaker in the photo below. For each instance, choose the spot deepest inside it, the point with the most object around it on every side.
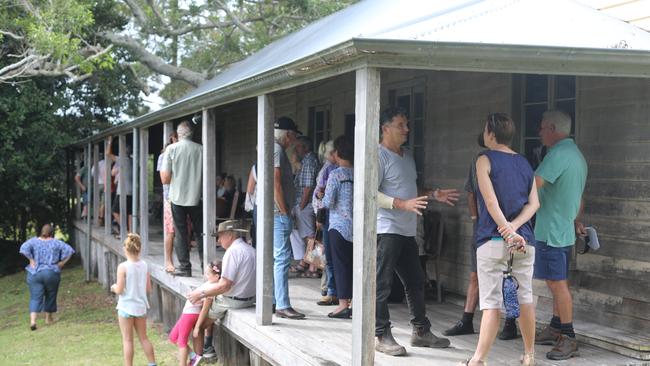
(196, 360)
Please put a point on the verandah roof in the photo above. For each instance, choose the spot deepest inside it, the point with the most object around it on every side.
(553, 36)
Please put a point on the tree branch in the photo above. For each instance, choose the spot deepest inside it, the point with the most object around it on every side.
(154, 62)
(12, 35)
(235, 19)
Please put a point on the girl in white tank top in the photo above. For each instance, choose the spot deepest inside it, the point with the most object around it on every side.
(132, 285)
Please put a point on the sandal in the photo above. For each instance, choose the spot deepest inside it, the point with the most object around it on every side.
(528, 359)
(298, 268)
(309, 274)
(467, 361)
(170, 269)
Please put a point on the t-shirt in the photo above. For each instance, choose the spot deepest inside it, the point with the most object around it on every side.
(239, 267)
(101, 177)
(83, 175)
(190, 308)
(471, 183)
(281, 161)
(564, 171)
(397, 178)
(184, 159)
(128, 176)
(159, 165)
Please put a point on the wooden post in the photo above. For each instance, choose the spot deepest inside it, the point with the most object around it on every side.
(168, 128)
(122, 160)
(135, 217)
(77, 166)
(364, 232)
(265, 142)
(108, 212)
(208, 131)
(95, 170)
(89, 222)
(144, 190)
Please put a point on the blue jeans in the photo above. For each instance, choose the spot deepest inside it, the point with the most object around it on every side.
(331, 280)
(43, 287)
(282, 226)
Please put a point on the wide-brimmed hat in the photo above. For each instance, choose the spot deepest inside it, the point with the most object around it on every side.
(232, 225)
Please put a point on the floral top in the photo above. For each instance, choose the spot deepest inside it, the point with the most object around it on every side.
(321, 183)
(46, 253)
(338, 199)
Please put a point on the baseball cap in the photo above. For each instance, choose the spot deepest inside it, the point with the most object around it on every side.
(286, 123)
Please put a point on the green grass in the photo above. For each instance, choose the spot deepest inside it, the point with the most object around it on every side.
(85, 331)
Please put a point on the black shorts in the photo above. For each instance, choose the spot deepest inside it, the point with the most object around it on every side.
(129, 205)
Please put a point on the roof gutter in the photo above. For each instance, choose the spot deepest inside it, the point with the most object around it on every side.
(505, 58)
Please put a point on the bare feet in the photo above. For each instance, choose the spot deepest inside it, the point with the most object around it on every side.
(169, 267)
(49, 319)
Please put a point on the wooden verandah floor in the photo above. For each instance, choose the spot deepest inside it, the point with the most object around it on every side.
(319, 340)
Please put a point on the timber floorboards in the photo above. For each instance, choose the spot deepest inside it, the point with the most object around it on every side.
(318, 340)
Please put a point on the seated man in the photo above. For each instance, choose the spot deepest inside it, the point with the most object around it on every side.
(236, 288)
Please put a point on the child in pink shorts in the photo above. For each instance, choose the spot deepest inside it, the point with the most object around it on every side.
(187, 323)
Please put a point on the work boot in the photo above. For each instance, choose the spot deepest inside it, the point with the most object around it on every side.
(385, 343)
(509, 331)
(424, 338)
(565, 348)
(459, 329)
(547, 336)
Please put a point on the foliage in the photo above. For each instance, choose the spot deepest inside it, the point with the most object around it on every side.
(187, 41)
(85, 332)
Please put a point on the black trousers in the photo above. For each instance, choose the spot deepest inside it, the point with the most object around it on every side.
(397, 253)
(342, 261)
(181, 237)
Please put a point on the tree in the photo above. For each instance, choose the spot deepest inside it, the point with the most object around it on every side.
(188, 41)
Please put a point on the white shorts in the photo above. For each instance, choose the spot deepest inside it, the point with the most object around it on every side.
(305, 221)
(492, 259)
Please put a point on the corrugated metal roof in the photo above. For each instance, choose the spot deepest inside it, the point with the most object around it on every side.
(516, 23)
(635, 12)
(556, 23)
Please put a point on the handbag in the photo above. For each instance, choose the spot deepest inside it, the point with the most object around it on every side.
(510, 286)
(249, 202)
(315, 252)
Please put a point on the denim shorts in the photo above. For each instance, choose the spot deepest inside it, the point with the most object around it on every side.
(124, 314)
(551, 263)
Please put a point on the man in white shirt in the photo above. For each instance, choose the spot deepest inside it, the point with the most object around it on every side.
(236, 288)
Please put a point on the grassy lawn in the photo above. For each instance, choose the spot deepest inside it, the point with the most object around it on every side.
(85, 331)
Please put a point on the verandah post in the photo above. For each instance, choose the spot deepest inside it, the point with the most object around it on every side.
(365, 215)
(264, 227)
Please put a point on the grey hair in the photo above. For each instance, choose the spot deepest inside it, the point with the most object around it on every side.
(280, 135)
(560, 120)
(184, 130)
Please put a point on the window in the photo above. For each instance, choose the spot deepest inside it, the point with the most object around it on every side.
(411, 99)
(319, 125)
(540, 93)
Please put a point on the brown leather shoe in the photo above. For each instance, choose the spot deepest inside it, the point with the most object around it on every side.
(565, 348)
(289, 313)
(328, 300)
(548, 336)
